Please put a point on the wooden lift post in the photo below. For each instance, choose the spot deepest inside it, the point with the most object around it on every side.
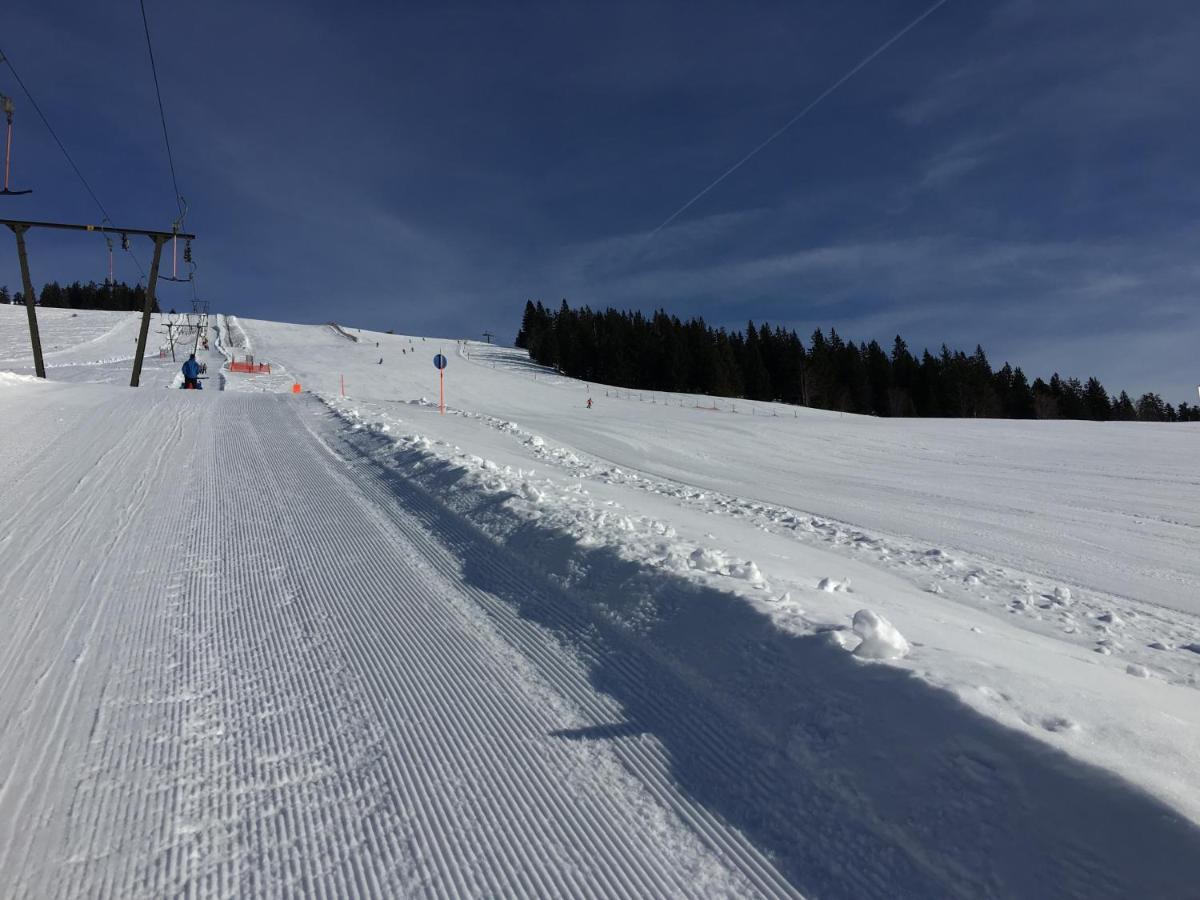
(30, 299)
(19, 227)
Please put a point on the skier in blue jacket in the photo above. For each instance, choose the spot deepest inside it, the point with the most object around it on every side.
(191, 372)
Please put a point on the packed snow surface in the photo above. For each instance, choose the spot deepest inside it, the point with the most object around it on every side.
(262, 643)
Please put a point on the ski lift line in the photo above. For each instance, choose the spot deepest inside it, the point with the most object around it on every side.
(800, 115)
(162, 115)
(7, 60)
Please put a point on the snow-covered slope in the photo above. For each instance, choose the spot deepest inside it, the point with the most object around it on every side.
(1041, 567)
(287, 644)
(87, 345)
(1107, 507)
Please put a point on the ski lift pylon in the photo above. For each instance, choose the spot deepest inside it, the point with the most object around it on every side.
(7, 104)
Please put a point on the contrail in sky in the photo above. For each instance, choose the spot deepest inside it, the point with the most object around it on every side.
(800, 115)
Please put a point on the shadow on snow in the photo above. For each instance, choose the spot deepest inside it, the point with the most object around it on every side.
(856, 779)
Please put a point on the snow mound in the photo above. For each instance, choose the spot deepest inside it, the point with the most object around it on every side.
(880, 639)
(833, 586)
(10, 378)
(707, 560)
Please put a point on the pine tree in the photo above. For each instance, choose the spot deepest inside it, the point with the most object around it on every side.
(1150, 408)
(1045, 398)
(1096, 404)
(1123, 409)
(527, 326)
(1020, 398)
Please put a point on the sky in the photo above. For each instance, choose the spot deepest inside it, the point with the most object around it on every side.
(1016, 174)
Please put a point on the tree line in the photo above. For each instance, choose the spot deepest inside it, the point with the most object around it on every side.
(111, 295)
(661, 352)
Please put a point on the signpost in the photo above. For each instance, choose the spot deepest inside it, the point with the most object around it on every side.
(439, 363)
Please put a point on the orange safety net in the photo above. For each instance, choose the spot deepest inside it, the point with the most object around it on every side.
(249, 366)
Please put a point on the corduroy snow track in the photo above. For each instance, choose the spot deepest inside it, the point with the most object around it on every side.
(280, 682)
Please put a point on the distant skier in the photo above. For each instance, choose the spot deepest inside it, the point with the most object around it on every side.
(589, 406)
(191, 374)
(381, 360)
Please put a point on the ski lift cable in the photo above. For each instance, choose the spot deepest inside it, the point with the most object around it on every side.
(4, 57)
(862, 64)
(179, 201)
(163, 116)
(7, 60)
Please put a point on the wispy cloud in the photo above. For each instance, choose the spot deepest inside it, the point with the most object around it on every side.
(958, 160)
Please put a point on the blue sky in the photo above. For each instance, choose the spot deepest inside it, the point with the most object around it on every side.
(1018, 174)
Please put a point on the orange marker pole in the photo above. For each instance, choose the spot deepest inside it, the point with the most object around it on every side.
(343, 378)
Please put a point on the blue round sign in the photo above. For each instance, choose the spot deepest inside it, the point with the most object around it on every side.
(439, 362)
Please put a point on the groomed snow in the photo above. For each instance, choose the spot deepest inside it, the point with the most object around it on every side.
(1011, 543)
(315, 643)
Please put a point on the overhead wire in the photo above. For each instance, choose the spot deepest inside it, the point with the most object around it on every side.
(162, 113)
(863, 63)
(4, 57)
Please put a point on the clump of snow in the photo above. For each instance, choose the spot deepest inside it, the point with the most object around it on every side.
(833, 586)
(746, 571)
(880, 639)
(707, 560)
(1059, 724)
(1111, 618)
(1137, 671)
(1062, 595)
(717, 563)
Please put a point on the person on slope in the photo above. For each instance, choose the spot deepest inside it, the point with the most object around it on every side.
(191, 373)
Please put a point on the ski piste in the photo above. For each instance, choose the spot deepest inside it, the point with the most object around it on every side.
(265, 643)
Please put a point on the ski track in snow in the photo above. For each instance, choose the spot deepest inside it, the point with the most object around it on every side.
(301, 701)
(252, 652)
